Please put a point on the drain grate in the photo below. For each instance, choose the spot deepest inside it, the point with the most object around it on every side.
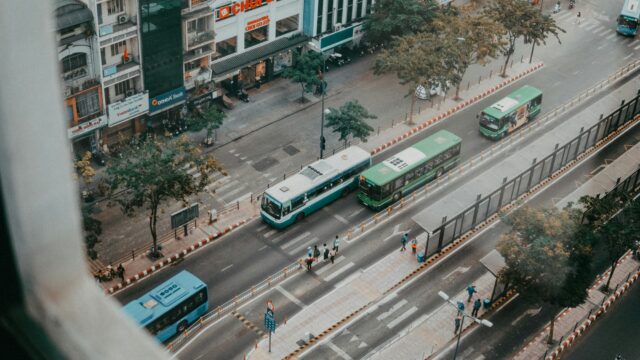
(291, 150)
(265, 163)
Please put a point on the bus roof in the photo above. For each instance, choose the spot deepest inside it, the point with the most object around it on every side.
(631, 8)
(408, 159)
(162, 298)
(512, 101)
(317, 173)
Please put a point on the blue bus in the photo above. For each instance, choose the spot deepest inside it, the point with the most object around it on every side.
(628, 19)
(171, 307)
(313, 187)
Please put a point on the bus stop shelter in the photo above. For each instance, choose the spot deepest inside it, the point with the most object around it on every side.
(494, 263)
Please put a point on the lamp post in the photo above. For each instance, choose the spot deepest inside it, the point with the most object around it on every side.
(486, 323)
(322, 87)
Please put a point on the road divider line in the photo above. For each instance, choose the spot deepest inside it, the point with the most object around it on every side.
(291, 297)
(295, 240)
(402, 317)
(393, 309)
(339, 272)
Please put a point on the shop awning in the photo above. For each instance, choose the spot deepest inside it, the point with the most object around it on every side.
(256, 55)
(71, 13)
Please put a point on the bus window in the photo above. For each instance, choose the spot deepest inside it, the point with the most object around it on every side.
(272, 208)
(490, 122)
(399, 183)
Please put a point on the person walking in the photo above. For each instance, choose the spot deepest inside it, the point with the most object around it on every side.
(309, 252)
(458, 322)
(309, 261)
(332, 255)
(476, 307)
(414, 246)
(120, 271)
(578, 17)
(336, 243)
(316, 252)
(404, 240)
(325, 251)
(471, 289)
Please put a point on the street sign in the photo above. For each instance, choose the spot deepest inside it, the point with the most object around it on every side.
(270, 323)
(183, 216)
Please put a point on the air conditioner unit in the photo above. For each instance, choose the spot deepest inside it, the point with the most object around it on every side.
(197, 51)
(130, 92)
(122, 19)
(337, 27)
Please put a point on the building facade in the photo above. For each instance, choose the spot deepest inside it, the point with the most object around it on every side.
(333, 23)
(80, 74)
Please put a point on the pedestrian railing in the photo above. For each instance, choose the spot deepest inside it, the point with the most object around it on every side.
(452, 229)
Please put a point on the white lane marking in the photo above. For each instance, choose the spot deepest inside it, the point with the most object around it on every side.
(460, 269)
(290, 296)
(249, 162)
(348, 279)
(339, 351)
(295, 240)
(402, 317)
(262, 227)
(394, 308)
(329, 266)
(262, 248)
(356, 212)
(341, 219)
(637, 47)
(232, 151)
(337, 273)
(243, 158)
(231, 193)
(632, 43)
(226, 268)
(273, 179)
(564, 16)
(230, 183)
(270, 233)
(628, 56)
(612, 35)
(303, 246)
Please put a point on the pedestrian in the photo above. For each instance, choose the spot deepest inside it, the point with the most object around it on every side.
(458, 323)
(309, 252)
(404, 240)
(471, 289)
(121, 272)
(309, 261)
(326, 253)
(414, 246)
(578, 17)
(476, 307)
(316, 252)
(332, 255)
(336, 244)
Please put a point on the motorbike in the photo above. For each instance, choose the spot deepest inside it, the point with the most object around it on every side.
(556, 8)
(242, 95)
(572, 4)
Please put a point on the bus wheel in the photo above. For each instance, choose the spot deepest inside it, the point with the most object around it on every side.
(439, 173)
(300, 216)
(396, 196)
(182, 326)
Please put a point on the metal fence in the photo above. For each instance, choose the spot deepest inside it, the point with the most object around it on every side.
(511, 190)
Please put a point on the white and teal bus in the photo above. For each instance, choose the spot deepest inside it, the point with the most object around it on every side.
(313, 187)
(628, 19)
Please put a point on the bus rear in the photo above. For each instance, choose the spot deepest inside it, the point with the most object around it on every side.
(171, 307)
(628, 19)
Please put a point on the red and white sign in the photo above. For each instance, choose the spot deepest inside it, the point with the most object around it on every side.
(257, 23)
(87, 126)
(226, 11)
(128, 108)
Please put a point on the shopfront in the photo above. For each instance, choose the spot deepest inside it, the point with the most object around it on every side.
(165, 111)
(85, 136)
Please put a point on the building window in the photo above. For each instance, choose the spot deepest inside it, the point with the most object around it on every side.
(349, 10)
(319, 20)
(115, 7)
(368, 7)
(226, 47)
(122, 87)
(118, 48)
(330, 15)
(340, 11)
(197, 25)
(359, 10)
(191, 65)
(255, 37)
(88, 104)
(286, 25)
(73, 62)
(103, 56)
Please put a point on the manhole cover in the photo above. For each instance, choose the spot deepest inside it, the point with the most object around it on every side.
(291, 150)
(265, 163)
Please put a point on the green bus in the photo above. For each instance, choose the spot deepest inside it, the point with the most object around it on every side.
(510, 113)
(388, 181)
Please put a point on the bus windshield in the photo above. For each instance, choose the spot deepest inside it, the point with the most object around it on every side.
(271, 207)
(628, 22)
(371, 190)
(490, 122)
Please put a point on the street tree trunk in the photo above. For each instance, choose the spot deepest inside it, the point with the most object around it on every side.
(153, 220)
(553, 321)
(413, 103)
(510, 52)
(457, 97)
(302, 95)
(614, 264)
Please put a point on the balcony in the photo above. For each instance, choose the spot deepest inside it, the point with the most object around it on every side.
(197, 76)
(193, 5)
(197, 53)
(79, 86)
(112, 74)
(199, 39)
(112, 33)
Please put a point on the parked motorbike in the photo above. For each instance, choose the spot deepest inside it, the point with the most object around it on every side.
(242, 95)
(572, 4)
(556, 8)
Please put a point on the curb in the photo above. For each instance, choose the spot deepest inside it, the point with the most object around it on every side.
(454, 109)
(173, 258)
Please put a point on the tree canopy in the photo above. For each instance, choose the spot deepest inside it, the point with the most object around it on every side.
(210, 119)
(391, 18)
(92, 227)
(522, 20)
(305, 71)
(350, 120)
(154, 170)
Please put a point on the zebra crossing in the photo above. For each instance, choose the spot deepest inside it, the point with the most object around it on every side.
(392, 314)
(595, 27)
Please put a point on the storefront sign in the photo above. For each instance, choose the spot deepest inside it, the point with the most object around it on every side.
(235, 8)
(87, 126)
(126, 109)
(199, 100)
(257, 23)
(167, 99)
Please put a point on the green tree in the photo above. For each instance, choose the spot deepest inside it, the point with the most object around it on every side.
(210, 118)
(546, 261)
(479, 39)
(305, 71)
(92, 227)
(425, 58)
(350, 120)
(155, 170)
(522, 20)
(614, 220)
(391, 18)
